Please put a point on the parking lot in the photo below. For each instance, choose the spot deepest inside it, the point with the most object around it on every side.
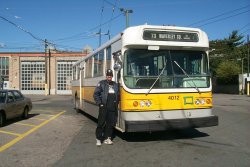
(17, 131)
(51, 125)
(56, 135)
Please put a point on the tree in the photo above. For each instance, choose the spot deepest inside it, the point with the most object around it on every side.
(234, 40)
(228, 49)
(227, 70)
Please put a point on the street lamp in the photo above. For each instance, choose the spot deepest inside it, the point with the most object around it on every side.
(126, 13)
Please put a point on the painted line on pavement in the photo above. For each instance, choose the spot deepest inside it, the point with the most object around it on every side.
(10, 133)
(18, 123)
(49, 115)
(40, 119)
(14, 141)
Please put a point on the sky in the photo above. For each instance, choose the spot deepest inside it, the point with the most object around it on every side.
(71, 25)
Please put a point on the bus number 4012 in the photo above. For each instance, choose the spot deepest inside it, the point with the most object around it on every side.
(173, 97)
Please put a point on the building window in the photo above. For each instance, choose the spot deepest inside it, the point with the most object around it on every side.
(4, 68)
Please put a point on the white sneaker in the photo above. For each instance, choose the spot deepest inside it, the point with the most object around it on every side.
(98, 142)
(108, 141)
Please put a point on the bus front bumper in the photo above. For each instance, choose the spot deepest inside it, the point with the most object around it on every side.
(161, 125)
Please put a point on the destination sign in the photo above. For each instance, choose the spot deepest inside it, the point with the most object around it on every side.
(170, 36)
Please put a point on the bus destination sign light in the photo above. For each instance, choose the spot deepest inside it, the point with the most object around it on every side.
(170, 36)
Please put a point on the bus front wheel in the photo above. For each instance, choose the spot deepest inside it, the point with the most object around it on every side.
(77, 104)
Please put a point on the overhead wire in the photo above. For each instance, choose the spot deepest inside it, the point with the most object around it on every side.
(102, 9)
(214, 17)
(90, 33)
(242, 28)
(26, 31)
(90, 30)
(224, 18)
(112, 5)
(29, 33)
(112, 15)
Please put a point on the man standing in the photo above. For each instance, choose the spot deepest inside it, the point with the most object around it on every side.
(106, 95)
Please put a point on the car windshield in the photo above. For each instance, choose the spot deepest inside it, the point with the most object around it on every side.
(2, 97)
(165, 69)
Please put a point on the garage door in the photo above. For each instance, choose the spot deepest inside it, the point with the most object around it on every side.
(33, 77)
(64, 72)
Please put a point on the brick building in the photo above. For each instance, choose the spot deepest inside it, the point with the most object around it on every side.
(37, 72)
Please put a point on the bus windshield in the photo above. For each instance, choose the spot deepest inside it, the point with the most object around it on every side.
(144, 68)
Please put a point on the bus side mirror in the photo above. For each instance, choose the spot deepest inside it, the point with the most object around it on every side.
(117, 66)
(118, 62)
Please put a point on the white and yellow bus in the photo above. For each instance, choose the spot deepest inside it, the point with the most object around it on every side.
(164, 78)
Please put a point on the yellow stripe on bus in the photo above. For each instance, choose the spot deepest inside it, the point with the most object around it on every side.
(166, 101)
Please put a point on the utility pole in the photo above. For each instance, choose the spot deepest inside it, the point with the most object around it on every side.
(242, 71)
(49, 85)
(126, 13)
(100, 36)
(248, 55)
(46, 70)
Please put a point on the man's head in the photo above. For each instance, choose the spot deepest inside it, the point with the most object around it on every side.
(109, 74)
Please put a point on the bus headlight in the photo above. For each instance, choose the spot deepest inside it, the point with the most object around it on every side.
(202, 101)
(142, 103)
(148, 103)
(197, 101)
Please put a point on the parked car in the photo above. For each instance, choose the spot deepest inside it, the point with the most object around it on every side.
(13, 104)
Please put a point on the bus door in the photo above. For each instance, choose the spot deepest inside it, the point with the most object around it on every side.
(81, 95)
(117, 77)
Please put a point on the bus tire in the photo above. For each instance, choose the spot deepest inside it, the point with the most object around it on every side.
(77, 104)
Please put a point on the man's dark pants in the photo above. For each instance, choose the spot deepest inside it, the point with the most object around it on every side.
(106, 123)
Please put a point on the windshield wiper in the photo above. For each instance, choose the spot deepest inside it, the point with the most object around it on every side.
(156, 80)
(158, 75)
(188, 77)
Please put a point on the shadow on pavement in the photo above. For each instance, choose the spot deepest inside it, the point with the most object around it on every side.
(161, 135)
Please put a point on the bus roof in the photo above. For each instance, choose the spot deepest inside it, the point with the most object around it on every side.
(134, 36)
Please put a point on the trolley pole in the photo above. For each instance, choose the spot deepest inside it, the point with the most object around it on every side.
(126, 13)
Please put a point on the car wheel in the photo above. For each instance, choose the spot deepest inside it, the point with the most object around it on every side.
(25, 113)
(1, 119)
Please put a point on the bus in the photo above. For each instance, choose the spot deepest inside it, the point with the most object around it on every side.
(163, 76)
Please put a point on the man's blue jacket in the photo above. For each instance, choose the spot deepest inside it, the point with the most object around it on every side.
(102, 90)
